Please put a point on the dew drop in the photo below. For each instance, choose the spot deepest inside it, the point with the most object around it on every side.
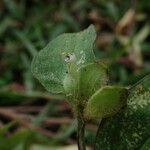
(70, 57)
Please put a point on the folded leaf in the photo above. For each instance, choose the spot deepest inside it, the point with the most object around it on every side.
(88, 79)
(106, 101)
(91, 77)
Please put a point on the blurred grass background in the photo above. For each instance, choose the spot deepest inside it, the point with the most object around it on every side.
(28, 114)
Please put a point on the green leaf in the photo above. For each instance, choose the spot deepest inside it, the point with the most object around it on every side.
(146, 145)
(80, 86)
(16, 140)
(71, 88)
(50, 65)
(129, 129)
(106, 101)
(91, 77)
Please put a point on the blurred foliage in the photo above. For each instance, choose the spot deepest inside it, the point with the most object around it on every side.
(26, 26)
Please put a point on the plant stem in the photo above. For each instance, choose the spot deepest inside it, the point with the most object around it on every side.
(134, 85)
(80, 132)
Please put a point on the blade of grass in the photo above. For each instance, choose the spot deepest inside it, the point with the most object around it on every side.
(26, 42)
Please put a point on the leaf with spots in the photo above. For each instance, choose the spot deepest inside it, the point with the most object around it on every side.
(146, 145)
(129, 129)
(49, 66)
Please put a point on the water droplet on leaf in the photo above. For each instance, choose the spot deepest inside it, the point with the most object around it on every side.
(70, 57)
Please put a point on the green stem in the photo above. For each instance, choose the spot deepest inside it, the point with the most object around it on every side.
(134, 85)
(80, 133)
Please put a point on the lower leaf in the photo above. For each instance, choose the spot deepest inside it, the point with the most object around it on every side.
(129, 130)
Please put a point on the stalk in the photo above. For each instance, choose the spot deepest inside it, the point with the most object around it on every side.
(81, 131)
